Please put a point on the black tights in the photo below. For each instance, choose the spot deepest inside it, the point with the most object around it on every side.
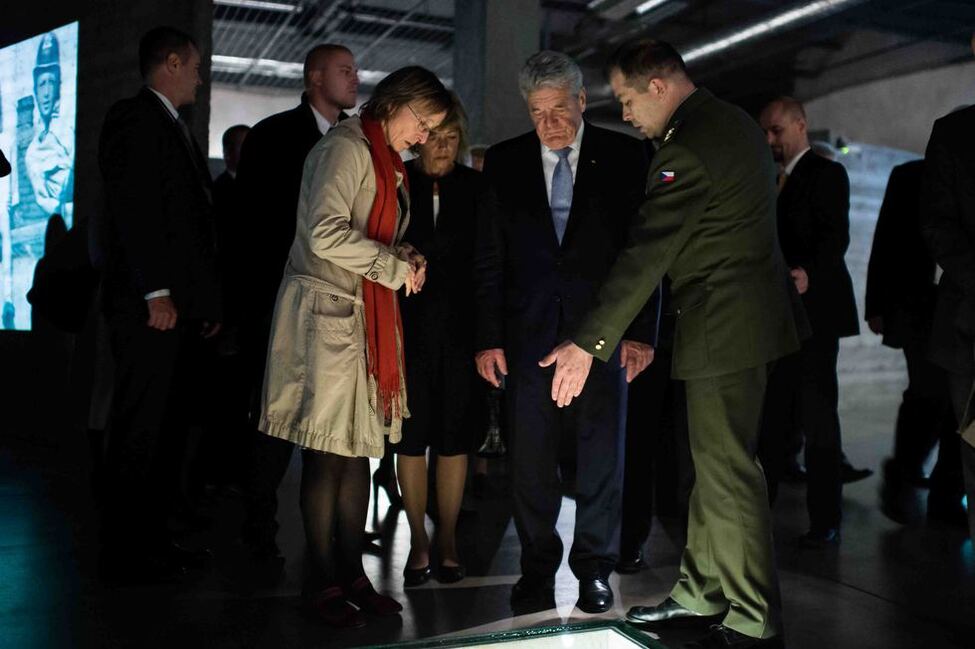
(334, 503)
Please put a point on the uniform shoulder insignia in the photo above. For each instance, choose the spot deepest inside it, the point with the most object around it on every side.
(670, 132)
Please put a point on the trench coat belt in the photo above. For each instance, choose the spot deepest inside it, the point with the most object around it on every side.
(322, 286)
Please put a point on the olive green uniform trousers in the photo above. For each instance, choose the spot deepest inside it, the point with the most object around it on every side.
(728, 564)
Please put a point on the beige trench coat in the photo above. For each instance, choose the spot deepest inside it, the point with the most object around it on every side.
(317, 391)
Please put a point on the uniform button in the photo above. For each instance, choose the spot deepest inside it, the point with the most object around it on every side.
(598, 347)
(602, 342)
(374, 276)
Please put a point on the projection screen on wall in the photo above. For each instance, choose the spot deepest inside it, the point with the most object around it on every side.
(38, 84)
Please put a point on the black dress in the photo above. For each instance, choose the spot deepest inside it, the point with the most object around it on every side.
(445, 395)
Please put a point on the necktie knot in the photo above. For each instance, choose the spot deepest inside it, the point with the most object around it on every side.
(563, 153)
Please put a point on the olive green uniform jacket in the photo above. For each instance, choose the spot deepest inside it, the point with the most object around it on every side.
(708, 222)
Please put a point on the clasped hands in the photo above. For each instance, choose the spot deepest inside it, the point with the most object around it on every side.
(572, 366)
(416, 272)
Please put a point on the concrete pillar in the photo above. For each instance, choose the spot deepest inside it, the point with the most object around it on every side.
(491, 42)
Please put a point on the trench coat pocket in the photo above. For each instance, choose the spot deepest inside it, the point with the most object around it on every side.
(335, 364)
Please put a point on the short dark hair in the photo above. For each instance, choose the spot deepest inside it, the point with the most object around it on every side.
(790, 105)
(158, 43)
(317, 55)
(644, 59)
(232, 132)
(410, 84)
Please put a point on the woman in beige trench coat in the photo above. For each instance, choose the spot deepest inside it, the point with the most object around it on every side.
(334, 383)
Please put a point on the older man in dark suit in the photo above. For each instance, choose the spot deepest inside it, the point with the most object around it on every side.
(558, 204)
(814, 230)
(161, 294)
(948, 223)
(269, 180)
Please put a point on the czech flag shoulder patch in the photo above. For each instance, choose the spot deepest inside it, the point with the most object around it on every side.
(667, 176)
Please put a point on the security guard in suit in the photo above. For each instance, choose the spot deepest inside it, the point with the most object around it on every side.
(708, 222)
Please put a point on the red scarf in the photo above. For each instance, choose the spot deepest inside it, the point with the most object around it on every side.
(383, 323)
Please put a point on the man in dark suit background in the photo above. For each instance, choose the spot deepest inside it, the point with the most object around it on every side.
(557, 206)
(814, 232)
(160, 296)
(900, 301)
(948, 223)
(269, 177)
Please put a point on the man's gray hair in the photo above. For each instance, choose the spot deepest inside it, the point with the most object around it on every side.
(548, 69)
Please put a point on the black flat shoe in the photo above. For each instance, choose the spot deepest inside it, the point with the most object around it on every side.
(595, 596)
(669, 612)
(849, 473)
(451, 574)
(416, 576)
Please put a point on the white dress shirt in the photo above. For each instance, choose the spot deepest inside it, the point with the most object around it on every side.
(550, 159)
(323, 124)
(792, 163)
(168, 105)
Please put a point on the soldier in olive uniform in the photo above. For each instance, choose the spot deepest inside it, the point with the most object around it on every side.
(708, 222)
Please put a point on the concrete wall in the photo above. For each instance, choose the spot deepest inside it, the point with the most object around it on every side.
(33, 397)
(897, 112)
(229, 105)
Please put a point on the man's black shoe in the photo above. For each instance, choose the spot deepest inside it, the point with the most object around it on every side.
(595, 596)
(849, 473)
(819, 539)
(722, 637)
(631, 564)
(669, 611)
(533, 594)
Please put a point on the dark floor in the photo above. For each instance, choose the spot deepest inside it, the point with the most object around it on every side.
(886, 586)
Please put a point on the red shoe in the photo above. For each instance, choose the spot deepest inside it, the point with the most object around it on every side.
(361, 593)
(330, 607)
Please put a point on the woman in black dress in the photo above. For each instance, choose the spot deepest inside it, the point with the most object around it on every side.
(445, 394)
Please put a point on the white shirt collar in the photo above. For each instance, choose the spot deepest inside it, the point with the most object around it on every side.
(323, 124)
(168, 105)
(792, 163)
(576, 143)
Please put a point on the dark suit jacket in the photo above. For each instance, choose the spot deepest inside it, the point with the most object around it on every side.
(532, 292)
(708, 222)
(269, 175)
(948, 223)
(159, 221)
(814, 231)
(900, 275)
(445, 307)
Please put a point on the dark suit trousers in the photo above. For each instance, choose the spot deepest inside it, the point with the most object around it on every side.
(596, 419)
(776, 447)
(267, 457)
(151, 408)
(658, 458)
(820, 421)
(926, 418)
(960, 389)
